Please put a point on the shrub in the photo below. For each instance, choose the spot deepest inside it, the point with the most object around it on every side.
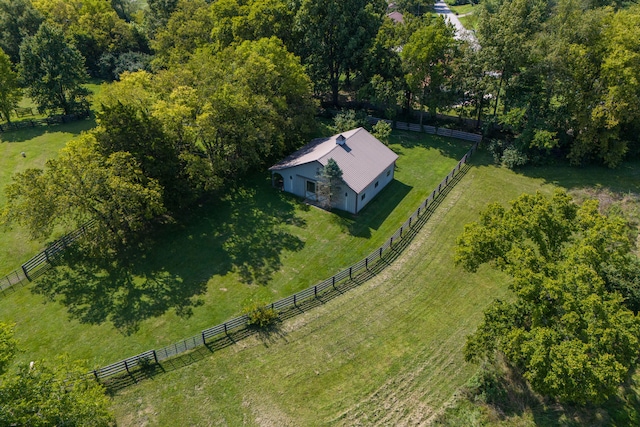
(260, 315)
(512, 158)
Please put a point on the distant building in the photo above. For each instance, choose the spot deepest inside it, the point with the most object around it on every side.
(367, 167)
(396, 17)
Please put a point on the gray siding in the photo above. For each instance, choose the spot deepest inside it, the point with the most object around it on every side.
(371, 190)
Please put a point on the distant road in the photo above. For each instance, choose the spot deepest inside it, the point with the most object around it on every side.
(462, 33)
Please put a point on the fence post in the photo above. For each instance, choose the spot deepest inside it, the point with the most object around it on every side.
(24, 270)
(225, 328)
(391, 242)
(366, 263)
(412, 217)
(204, 340)
(350, 273)
(333, 280)
(315, 291)
(155, 356)
(126, 367)
(401, 232)
(95, 374)
(433, 195)
(294, 299)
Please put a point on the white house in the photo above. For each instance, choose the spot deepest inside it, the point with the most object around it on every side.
(367, 167)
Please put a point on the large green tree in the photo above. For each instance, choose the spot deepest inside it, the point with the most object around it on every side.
(83, 184)
(566, 329)
(48, 394)
(18, 19)
(53, 71)
(335, 37)
(10, 92)
(427, 59)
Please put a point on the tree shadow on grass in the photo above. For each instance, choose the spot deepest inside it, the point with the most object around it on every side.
(623, 179)
(244, 231)
(28, 133)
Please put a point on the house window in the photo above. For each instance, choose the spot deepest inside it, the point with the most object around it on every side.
(376, 186)
(389, 172)
(311, 187)
(363, 196)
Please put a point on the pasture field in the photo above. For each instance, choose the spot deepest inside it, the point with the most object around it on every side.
(256, 243)
(388, 352)
(38, 145)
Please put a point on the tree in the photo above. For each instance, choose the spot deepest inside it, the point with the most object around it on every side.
(83, 184)
(45, 394)
(571, 336)
(427, 60)
(329, 182)
(335, 37)
(18, 19)
(10, 93)
(8, 346)
(53, 71)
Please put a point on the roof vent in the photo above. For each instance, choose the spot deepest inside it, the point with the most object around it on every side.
(340, 140)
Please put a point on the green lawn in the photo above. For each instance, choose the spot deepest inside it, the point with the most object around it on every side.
(386, 353)
(39, 144)
(208, 265)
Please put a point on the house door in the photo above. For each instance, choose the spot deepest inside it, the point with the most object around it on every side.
(311, 190)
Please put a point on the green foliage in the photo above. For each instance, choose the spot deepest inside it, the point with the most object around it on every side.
(53, 71)
(82, 184)
(10, 93)
(335, 37)
(260, 315)
(512, 158)
(382, 131)
(18, 19)
(329, 183)
(45, 394)
(573, 338)
(427, 61)
(348, 120)
(8, 346)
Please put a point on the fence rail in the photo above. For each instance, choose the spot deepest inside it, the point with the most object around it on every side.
(415, 127)
(126, 366)
(42, 262)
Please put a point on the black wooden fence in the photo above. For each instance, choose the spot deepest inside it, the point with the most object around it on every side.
(415, 127)
(150, 357)
(42, 262)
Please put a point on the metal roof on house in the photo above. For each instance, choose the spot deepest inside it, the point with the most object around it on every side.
(362, 158)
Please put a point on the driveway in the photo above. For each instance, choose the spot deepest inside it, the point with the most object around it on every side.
(462, 33)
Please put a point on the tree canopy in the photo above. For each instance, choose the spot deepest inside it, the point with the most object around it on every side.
(567, 329)
(53, 71)
(10, 92)
(42, 393)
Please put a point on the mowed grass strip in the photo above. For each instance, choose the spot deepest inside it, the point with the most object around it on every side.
(386, 353)
(200, 261)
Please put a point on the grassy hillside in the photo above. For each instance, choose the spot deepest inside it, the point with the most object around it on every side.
(386, 353)
(256, 243)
